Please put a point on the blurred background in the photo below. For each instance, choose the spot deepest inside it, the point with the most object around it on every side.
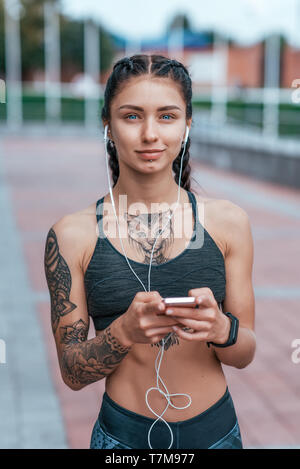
(55, 58)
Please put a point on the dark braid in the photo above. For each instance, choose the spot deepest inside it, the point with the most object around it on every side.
(186, 168)
(160, 66)
(114, 164)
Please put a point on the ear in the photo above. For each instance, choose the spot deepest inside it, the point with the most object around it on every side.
(108, 130)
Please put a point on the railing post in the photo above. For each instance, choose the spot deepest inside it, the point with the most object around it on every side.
(91, 71)
(52, 62)
(13, 64)
(271, 96)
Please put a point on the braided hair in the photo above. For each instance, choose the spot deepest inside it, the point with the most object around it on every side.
(159, 66)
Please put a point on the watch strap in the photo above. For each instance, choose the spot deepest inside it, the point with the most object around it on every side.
(233, 333)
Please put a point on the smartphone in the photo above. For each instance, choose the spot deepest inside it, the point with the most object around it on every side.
(188, 301)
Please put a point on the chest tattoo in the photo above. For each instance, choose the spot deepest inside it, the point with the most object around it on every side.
(143, 230)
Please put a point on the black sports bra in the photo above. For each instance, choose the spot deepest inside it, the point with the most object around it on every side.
(110, 285)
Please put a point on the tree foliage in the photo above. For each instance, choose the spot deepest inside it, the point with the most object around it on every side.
(2, 47)
(32, 36)
(32, 41)
(178, 21)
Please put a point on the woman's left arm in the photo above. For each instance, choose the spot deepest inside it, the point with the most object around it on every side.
(239, 299)
(208, 322)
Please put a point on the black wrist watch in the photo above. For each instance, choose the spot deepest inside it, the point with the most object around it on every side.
(233, 334)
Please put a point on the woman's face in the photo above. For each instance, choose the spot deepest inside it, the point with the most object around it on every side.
(149, 113)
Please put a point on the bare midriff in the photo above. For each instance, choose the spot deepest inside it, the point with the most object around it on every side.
(186, 368)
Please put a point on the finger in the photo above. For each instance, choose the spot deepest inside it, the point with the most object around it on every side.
(192, 313)
(204, 296)
(200, 326)
(161, 308)
(147, 297)
(204, 291)
(199, 336)
(158, 331)
(204, 314)
(204, 301)
(161, 322)
(155, 306)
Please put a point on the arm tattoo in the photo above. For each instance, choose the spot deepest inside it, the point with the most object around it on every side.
(86, 361)
(59, 280)
(74, 334)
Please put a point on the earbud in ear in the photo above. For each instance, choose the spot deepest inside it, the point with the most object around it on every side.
(105, 133)
(186, 134)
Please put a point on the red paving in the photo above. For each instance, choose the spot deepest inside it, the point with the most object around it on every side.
(50, 178)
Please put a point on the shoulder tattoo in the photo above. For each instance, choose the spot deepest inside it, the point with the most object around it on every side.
(59, 280)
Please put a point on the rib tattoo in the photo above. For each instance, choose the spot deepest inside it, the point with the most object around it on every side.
(59, 280)
(86, 361)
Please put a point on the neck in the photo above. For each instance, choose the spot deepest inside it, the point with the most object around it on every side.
(148, 193)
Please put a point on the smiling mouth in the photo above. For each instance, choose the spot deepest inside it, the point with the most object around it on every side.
(151, 155)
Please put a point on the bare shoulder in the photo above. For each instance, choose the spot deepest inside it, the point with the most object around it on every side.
(76, 232)
(236, 226)
(229, 211)
(226, 220)
(222, 207)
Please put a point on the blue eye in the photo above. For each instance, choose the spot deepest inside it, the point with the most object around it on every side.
(129, 116)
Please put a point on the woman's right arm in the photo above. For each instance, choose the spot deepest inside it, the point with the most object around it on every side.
(81, 361)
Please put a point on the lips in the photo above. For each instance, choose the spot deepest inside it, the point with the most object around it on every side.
(150, 155)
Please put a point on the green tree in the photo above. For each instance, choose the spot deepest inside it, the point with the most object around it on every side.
(107, 49)
(72, 46)
(32, 41)
(179, 20)
(32, 36)
(2, 47)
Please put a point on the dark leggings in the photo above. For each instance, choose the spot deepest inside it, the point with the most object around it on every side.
(215, 428)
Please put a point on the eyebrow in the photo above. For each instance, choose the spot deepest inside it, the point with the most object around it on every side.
(138, 108)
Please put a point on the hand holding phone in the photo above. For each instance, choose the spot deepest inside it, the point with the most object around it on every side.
(181, 302)
(185, 301)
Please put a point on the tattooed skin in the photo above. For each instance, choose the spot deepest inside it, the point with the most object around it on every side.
(59, 280)
(83, 361)
(73, 334)
(143, 230)
(86, 361)
(171, 339)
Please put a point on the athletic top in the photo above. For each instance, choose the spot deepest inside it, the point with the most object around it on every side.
(111, 286)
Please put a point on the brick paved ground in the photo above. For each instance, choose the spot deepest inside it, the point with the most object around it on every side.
(43, 179)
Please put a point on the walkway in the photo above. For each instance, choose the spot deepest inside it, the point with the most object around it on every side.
(42, 179)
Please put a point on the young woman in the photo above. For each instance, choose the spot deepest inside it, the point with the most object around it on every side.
(147, 109)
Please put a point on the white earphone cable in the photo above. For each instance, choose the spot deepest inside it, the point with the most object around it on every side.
(167, 395)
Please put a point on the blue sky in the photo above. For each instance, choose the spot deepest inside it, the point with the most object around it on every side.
(245, 20)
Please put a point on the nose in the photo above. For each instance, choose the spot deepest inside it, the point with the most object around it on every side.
(149, 131)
